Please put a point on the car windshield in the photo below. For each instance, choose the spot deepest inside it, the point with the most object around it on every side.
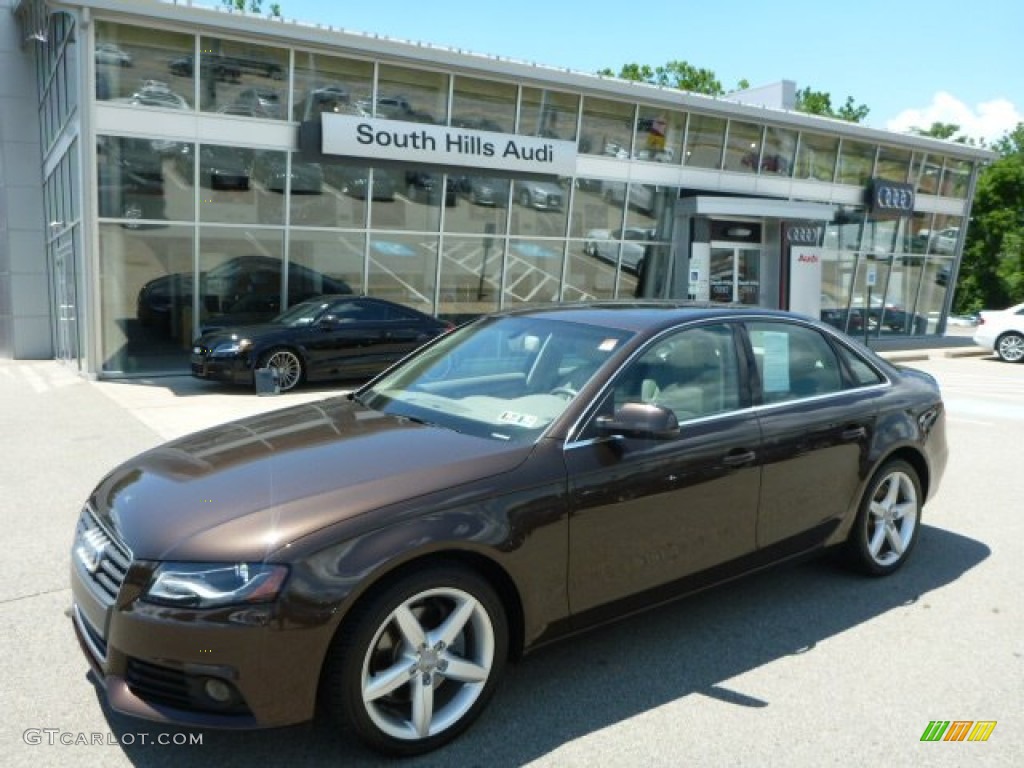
(303, 313)
(504, 378)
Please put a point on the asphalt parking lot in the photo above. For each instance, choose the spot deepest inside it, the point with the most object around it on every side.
(806, 665)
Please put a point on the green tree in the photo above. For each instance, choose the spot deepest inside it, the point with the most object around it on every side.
(992, 271)
(674, 74)
(947, 131)
(820, 103)
(254, 6)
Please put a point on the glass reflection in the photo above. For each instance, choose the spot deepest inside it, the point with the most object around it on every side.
(486, 209)
(533, 272)
(816, 157)
(705, 137)
(548, 113)
(242, 78)
(136, 182)
(893, 164)
(542, 206)
(470, 276)
(484, 105)
(928, 170)
(856, 162)
(144, 67)
(595, 209)
(410, 94)
(338, 256)
(955, 178)
(403, 268)
(777, 155)
(607, 128)
(145, 298)
(743, 147)
(660, 134)
(330, 84)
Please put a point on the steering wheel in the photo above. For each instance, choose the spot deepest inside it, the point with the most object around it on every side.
(564, 391)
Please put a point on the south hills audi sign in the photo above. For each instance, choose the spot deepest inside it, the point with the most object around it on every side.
(352, 136)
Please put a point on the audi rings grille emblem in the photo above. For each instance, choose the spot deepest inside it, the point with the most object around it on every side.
(91, 549)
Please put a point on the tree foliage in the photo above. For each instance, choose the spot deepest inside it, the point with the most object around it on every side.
(820, 103)
(992, 270)
(674, 74)
(253, 6)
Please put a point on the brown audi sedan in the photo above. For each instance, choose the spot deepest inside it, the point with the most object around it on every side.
(533, 473)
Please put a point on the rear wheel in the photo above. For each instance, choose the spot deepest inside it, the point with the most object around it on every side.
(1010, 347)
(887, 524)
(413, 667)
(288, 365)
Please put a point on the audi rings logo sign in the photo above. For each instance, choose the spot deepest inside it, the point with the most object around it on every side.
(802, 234)
(90, 549)
(891, 197)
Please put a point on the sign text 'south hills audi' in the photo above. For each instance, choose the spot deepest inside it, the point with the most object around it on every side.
(445, 145)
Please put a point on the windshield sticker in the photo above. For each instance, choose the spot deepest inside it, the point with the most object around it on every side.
(519, 419)
(776, 361)
(608, 345)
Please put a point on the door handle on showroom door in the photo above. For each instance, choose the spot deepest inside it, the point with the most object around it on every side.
(739, 458)
(854, 433)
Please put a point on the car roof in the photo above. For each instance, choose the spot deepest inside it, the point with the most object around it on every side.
(645, 315)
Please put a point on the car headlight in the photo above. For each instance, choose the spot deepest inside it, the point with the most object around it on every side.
(211, 585)
(233, 347)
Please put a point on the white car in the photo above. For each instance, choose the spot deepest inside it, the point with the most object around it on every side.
(604, 244)
(1002, 332)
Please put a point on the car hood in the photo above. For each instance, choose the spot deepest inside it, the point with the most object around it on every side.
(244, 490)
(256, 332)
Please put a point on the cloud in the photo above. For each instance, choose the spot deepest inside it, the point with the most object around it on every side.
(989, 120)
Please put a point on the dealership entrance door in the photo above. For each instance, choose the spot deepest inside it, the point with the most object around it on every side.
(735, 273)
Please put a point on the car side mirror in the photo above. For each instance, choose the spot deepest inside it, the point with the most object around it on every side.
(640, 420)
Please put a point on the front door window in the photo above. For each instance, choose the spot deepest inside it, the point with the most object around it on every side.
(735, 274)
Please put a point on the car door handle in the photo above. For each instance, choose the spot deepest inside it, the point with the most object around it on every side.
(854, 433)
(739, 458)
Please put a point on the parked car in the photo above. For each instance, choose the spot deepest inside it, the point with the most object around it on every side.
(259, 102)
(270, 169)
(220, 67)
(322, 339)
(355, 181)
(112, 54)
(484, 190)
(542, 195)
(424, 187)
(1002, 332)
(522, 478)
(220, 167)
(155, 93)
(233, 286)
(604, 244)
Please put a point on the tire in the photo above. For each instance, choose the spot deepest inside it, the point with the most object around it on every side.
(290, 370)
(1010, 347)
(887, 524)
(375, 681)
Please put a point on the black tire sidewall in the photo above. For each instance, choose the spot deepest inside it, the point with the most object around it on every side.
(342, 690)
(858, 541)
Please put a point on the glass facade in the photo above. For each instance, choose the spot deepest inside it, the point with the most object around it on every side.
(232, 229)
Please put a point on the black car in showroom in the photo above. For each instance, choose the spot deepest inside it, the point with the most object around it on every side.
(326, 338)
(384, 554)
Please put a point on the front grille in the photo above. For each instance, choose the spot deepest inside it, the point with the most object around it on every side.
(554, 201)
(160, 685)
(101, 558)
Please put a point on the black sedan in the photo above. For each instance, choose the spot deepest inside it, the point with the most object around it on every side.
(525, 477)
(326, 338)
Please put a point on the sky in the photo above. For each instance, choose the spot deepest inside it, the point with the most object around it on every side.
(910, 62)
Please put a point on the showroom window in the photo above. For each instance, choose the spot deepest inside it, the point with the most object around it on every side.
(471, 267)
(956, 176)
(777, 156)
(927, 172)
(659, 134)
(816, 157)
(403, 268)
(483, 105)
(144, 67)
(533, 272)
(893, 164)
(743, 147)
(705, 137)
(551, 114)
(331, 84)
(607, 128)
(243, 79)
(856, 162)
(414, 95)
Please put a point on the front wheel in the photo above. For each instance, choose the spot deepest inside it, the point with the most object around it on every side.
(288, 365)
(887, 524)
(1010, 347)
(413, 667)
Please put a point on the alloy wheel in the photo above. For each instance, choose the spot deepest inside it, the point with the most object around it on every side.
(891, 519)
(1011, 348)
(288, 366)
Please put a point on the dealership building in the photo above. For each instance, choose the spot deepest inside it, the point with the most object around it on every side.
(169, 167)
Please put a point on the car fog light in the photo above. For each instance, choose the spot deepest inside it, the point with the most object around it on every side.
(218, 690)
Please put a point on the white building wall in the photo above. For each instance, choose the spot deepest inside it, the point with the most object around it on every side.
(25, 327)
